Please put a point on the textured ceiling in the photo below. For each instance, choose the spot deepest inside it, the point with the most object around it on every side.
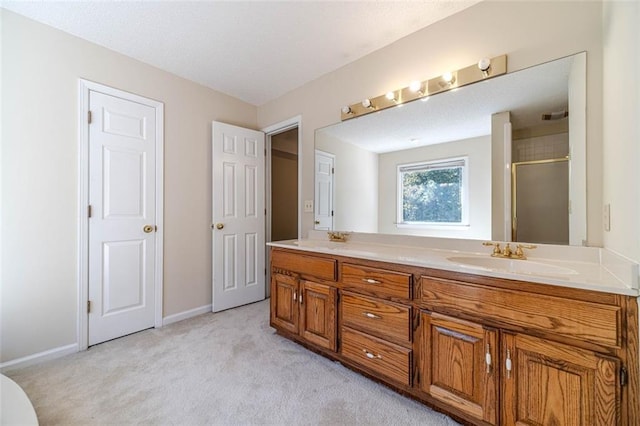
(463, 113)
(255, 51)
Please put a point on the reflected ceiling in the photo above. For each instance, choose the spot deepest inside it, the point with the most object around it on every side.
(462, 113)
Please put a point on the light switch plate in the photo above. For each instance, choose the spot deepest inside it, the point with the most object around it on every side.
(308, 206)
(606, 217)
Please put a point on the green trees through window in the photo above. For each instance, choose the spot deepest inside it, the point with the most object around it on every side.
(432, 192)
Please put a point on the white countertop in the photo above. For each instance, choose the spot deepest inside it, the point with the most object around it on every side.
(577, 267)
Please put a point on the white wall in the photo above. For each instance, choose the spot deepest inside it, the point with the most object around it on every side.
(578, 192)
(478, 151)
(483, 30)
(355, 184)
(40, 71)
(500, 179)
(621, 130)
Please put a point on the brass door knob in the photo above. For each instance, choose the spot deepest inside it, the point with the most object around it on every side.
(220, 225)
(148, 228)
(317, 222)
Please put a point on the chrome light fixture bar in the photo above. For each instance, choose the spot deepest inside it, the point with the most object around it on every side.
(484, 69)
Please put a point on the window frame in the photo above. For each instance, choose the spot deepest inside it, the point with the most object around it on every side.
(434, 164)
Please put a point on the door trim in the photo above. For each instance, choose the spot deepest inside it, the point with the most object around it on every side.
(84, 87)
(269, 131)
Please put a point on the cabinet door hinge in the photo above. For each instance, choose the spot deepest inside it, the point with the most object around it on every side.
(88, 306)
(89, 210)
(89, 117)
(623, 376)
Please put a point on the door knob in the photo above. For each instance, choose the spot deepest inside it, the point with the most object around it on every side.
(220, 225)
(317, 222)
(148, 228)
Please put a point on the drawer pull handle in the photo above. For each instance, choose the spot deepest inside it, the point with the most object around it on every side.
(371, 355)
(508, 364)
(371, 281)
(295, 296)
(372, 316)
(487, 358)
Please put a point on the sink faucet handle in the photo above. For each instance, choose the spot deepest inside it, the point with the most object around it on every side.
(520, 252)
(527, 246)
(507, 251)
(496, 247)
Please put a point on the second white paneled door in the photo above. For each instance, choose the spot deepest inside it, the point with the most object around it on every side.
(122, 223)
(238, 222)
(324, 182)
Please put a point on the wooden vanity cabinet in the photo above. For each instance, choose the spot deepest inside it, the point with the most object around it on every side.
(487, 351)
(299, 304)
(459, 365)
(538, 354)
(305, 308)
(376, 334)
(542, 382)
(549, 383)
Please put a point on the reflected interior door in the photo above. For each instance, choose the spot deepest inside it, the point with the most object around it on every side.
(122, 195)
(324, 168)
(238, 216)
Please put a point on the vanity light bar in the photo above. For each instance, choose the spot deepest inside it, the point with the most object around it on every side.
(417, 90)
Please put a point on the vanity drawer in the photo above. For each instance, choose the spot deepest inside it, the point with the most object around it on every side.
(304, 264)
(381, 281)
(375, 316)
(385, 358)
(594, 322)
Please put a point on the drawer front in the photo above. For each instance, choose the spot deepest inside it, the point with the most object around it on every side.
(303, 264)
(385, 358)
(593, 322)
(378, 317)
(381, 281)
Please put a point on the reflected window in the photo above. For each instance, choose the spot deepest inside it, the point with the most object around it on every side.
(433, 193)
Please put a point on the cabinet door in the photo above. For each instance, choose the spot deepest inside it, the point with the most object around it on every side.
(284, 302)
(318, 314)
(548, 383)
(458, 365)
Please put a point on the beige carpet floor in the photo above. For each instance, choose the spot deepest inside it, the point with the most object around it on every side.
(228, 368)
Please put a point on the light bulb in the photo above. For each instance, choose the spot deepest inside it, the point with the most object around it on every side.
(484, 64)
(367, 103)
(415, 86)
(391, 96)
(346, 110)
(448, 77)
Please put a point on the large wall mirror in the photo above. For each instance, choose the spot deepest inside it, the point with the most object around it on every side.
(501, 159)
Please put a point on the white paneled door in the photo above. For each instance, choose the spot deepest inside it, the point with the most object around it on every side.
(238, 222)
(122, 224)
(324, 166)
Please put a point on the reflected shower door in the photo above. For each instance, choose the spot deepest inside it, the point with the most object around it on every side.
(541, 201)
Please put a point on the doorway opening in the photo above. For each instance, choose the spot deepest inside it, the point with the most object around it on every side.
(284, 165)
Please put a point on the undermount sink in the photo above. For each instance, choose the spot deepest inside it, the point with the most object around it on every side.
(510, 265)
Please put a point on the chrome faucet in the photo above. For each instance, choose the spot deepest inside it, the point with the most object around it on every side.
(507, 252)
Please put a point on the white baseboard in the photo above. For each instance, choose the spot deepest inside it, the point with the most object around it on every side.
(39, 357)
(186, 314)
(73, 348)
